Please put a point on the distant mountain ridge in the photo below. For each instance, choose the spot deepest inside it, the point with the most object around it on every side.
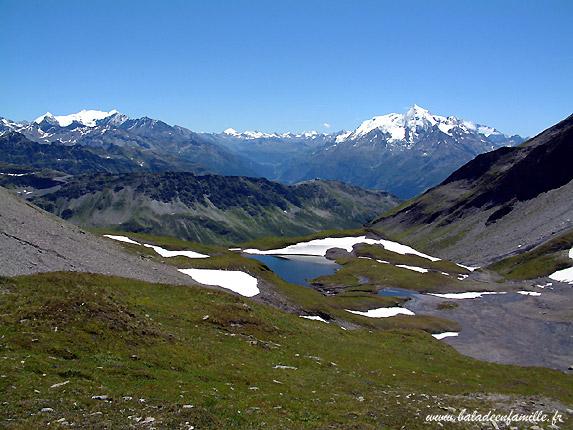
(209, 209)
(15, 148)
(404, 154)
(103, 129)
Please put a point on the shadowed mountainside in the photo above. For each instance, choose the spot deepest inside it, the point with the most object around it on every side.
(15, 148)
(208, 209)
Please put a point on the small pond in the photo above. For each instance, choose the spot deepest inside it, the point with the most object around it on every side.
(298, 269)
(397, 292)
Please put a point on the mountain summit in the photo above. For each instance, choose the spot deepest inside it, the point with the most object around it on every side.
(402, 153)
(409, 126)
(87, 118)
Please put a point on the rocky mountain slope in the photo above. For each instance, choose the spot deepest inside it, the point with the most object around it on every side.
(501, 203)
(15, 148)
(206, 209)
(33, 240)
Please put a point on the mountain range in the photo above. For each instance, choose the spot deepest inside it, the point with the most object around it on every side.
(109, 130)
(400, 153)
(210, 209)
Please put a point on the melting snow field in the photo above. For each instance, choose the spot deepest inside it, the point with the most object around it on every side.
(467, 295)
(167, 253)
(445, 334)
(471, 269)
(414, 268)
(565, 275)
(158, 249)
(122, 239)
(383, 312)
(314, 317)
(320, 246)
(234, 280)
(529, 293)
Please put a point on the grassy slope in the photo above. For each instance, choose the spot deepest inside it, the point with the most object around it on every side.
(310, 301)
(539, 262)
(154, 348)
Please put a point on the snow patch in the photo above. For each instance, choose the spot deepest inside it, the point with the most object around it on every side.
(529, 293)
(414, 268)
(445, 334)
(467, 295)
(234, 280)
(383, 312)
(314, 317)
(565, 275)
(167, 253)
(320, 246)
(471, 269)
(445, 128)
(122, 239)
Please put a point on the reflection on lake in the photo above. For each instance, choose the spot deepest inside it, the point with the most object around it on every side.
(298, 269)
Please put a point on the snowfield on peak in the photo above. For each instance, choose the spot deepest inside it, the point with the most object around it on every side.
(252, 135)
(404, 127)
(84, 117)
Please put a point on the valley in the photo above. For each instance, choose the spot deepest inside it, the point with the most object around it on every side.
(152, 292)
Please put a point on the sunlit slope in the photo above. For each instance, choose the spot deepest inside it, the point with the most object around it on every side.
(109, 352)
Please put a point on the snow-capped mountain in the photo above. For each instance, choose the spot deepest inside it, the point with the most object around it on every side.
(87, 118)
(401, 153)
(408, 127)
(108, 130)
(251, 135)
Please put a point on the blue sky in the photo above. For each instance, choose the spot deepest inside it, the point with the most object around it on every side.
(289, 65)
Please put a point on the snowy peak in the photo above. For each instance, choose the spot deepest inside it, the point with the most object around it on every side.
(407, 127)
(87, 118)
(420, 117)
(231, 132)
(252, 135)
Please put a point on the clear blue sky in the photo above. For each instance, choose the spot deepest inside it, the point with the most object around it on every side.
(289, 65)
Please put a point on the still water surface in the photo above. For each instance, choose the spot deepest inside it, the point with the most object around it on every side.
(298, 269)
